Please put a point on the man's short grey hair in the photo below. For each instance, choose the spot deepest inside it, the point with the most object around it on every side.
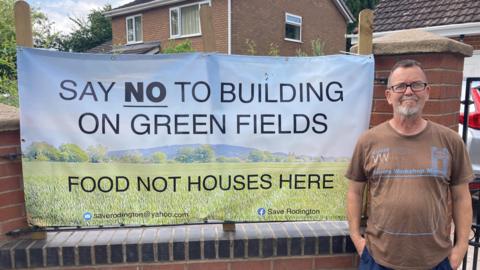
(406, 63)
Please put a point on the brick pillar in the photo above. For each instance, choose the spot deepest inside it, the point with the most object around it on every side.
(12, 201)
(442, 59)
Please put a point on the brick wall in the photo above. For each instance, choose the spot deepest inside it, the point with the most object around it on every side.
(444, 72)
(156, 26)
(261, 21)
(12, 202)
(473, 41)
(277, 245)
(311, 263)
(264, 22)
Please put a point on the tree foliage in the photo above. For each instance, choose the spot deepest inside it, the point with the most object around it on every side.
(42, 151)
(185, 155)
(256, 156)
(158, 157)
(97, 153)
(70, 152)
(182, 47)
(89, 32)
(355, 7)
(204, 154)
(44, 35)
(8, 68)
(132, 157)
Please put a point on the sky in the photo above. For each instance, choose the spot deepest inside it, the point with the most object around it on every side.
(58, 11)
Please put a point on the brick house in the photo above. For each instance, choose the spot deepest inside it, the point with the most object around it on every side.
(456, 19)
(291, 25)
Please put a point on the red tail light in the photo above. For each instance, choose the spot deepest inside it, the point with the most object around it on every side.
(473, 117)
(473, 120)
(474, 186)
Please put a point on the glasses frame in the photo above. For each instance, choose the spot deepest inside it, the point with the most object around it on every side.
(392, 88)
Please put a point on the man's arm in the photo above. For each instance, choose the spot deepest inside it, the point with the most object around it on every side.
(354, 213)
(462, 218)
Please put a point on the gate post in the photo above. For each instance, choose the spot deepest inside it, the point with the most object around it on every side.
(441, 57)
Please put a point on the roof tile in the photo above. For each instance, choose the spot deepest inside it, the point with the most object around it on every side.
(405, 14)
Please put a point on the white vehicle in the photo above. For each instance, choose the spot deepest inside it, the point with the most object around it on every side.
(473, 139)
(473, 131)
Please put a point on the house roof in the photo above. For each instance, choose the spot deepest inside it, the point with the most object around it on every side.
(391, 15)
(139, 5)
(152, 47)
(105, 47)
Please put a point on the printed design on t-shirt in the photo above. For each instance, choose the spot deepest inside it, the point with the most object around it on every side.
(390, 165)
(390, 162)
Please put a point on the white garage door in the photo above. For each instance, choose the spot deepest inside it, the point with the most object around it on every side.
(471, 66)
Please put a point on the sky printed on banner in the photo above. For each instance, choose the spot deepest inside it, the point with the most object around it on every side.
(52, 119)
(59, 11)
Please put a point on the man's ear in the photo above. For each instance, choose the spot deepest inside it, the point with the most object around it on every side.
(388, 95)
(427, 92)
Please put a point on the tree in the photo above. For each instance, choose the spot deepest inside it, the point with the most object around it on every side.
(185, 155)
(256, 156)
(158, 157)
(8, 68)
(43, 36)
(204, 154)
(70, 152)
(267, 156)
(89, 32)
(355, 7)
(97, 153)
(132, 157)
(42, 151)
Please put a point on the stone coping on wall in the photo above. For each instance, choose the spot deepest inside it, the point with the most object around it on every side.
(175, 244)
(416, 41)
(9, 118)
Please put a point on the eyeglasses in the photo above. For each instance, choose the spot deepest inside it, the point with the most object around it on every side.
(402, 87)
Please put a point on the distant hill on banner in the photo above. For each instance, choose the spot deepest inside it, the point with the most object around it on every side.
(221, 150)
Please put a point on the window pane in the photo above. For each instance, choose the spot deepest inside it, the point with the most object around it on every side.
(292, 31)
(138, 28)
(294, 19)
(190, 20)
(129, 30)
(174, 22)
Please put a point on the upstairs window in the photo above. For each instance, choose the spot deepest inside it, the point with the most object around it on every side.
(134, 29)
(293, 27)
(185, 21)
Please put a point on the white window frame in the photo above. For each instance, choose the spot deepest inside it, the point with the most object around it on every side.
(179, 23)
(133, 24)
(294, 24)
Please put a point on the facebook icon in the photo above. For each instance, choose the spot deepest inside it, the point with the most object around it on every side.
(87, 216)
(261, 211)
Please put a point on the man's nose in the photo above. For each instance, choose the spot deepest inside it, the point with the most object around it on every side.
(408, 91)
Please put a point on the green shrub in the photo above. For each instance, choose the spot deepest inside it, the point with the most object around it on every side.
(318, 47)
(183, 47)
(252, 46)
(274, 49)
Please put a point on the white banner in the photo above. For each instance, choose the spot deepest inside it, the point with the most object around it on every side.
(206, 115)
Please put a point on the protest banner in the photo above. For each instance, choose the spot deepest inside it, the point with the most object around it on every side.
(173, 139)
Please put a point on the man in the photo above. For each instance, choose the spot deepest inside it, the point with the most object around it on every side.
(418, 173)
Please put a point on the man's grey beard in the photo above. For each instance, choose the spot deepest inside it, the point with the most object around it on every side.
(407, 111)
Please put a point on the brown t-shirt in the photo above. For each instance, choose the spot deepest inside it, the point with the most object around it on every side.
(409, 177)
